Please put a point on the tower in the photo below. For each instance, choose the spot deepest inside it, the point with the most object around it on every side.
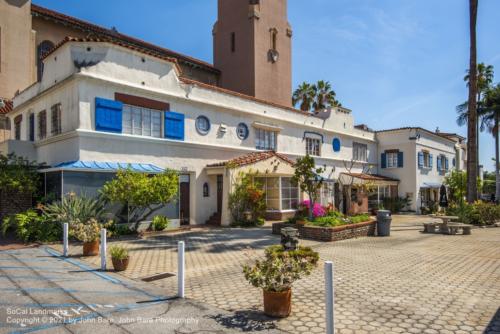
(252, 48)
(17, 41)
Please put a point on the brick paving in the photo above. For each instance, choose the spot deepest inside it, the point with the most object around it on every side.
(407, 283)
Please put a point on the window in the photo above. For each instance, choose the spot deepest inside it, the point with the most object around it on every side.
(17, 127)
(392, 159)
(442, 163)
(313, 146)
(336, 144)
(265, 139)
(41, 50)
(206, 190)
(271, 187)
(42, 124)
(242, 131)
(289, 194)
(326, 193)
(55, 116)
(359, 151)
(141, 121)
(274, 39)
(202, 125)
(31, 127)
(233, 42)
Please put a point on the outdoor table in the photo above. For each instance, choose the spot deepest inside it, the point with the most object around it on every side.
(443, 228)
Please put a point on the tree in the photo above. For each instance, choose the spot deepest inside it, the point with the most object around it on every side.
(247, 196)
(305, 95)
(472, 168)
(324, 96)
(143, 194)
(490, 110)
(456, 182)
(315, 97)
(18, 176)
(308, 177)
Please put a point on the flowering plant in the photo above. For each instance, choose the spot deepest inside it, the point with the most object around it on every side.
(317, 211)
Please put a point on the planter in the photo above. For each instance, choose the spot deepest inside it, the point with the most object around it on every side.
(278, 304)
(91, 248)
(301, 222)
(120, 265)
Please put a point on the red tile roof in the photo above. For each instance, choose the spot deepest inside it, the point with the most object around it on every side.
(251, 158)
(102, 32)
(370, 177)
(7, 108)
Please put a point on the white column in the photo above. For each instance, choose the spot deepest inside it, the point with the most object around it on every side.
(180, 268)
(65, 239)
(329, 298)
(103, 249)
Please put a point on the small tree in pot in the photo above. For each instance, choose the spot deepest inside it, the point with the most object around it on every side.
(119, 257)
(88, 233)
(276, 273)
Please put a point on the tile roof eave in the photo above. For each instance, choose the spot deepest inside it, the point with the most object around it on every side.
(87, 26)
(250, 158)
(8, 106)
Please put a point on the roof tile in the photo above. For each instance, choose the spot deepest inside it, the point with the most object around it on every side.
(251, 158)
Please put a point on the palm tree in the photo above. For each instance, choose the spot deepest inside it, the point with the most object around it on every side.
(490, 110)
(472, 168)
(305, 95)
(324, 96)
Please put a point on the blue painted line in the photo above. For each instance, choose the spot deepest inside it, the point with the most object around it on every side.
(83, 266)
(31, 267)
(36, 278)
(57, 290)
(100, 274)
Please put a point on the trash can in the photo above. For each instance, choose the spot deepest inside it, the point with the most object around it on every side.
(384, 223)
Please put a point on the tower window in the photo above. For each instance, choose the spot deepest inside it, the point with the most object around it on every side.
(233, 42)
(274, 39)
(42, 49)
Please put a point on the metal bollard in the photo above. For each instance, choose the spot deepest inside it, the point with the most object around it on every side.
(103, 249)
(180, 268)
(65, 239)
(329, 298)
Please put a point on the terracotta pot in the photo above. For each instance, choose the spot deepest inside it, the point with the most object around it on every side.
(120, 265)
(278, 304)
(301, 222)
(91, 248)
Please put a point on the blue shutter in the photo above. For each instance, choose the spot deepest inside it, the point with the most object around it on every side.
(174, 125)
(383, 160)
(108, 115)
(400, 159)
(431, 162)
(420, 159)
(454, 162)
(439, 163)
(446, 166)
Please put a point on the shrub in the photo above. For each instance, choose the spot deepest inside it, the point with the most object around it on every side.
(87, 232)
(246, 198)
(361, 218)
(118, 252)
(159, 223)
(479, 213)
(396, 204)
(318, 210)
(73, 209)
(329, 221)
(281, 268)
(249, 223)
(32, 226)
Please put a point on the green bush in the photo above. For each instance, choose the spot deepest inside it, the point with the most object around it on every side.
(281, 268)
(247, 199)
(339, 220)
(73, 209)
(159, 223)
(359, 218)
(396, 204)
(246, 223)
(118, 252)
(32, 226)
(479, 213)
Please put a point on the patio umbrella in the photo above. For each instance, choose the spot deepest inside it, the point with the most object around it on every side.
(443, 198)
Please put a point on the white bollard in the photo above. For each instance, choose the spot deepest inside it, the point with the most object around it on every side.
(180, 268)
(65, 239)
(103, 249)
(329, 297)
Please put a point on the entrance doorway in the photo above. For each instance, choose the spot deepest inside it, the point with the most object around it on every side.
(184, 200)
(220, 186)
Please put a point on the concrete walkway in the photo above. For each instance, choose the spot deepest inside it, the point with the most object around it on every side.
(42, 292)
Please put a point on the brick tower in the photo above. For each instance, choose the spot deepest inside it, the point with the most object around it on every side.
(252, 48)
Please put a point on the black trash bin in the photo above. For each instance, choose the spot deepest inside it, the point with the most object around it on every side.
(384, 223)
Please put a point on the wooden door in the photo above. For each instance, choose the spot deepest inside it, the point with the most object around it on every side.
(220, 187)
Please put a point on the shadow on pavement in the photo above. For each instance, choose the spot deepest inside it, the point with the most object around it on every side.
(246, 321)
(494, 324)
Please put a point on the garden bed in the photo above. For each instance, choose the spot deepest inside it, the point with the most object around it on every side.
(336, 233)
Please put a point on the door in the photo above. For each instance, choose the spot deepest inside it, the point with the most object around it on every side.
(219, 194)
(184, 203)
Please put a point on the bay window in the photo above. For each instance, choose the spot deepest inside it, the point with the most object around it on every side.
(280, 193)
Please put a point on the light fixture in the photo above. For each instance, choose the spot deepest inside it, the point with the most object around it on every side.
(2, 103)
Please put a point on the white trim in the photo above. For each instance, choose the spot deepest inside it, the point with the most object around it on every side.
(265, 126)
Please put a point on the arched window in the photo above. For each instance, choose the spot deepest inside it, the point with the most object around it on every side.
(41, 50)
(206, 190)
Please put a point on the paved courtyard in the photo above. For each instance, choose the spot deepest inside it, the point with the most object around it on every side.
(407, 283)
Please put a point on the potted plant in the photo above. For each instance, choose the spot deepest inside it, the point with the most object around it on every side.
(276, 273)
(88, 233)
(119, 257)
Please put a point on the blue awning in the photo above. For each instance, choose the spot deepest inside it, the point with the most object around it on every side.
(106, 166)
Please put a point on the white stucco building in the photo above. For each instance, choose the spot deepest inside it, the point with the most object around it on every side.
(420, 159)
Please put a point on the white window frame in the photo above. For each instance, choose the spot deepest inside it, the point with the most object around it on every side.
(392, 159)
(148, 115)
(427, 159)
(313, 146)
(264, 181)
(360, 152)
(266, 139)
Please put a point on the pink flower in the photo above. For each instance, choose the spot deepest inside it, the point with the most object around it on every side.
(318, 210)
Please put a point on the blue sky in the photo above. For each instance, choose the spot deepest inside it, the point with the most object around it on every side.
(394, 63)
